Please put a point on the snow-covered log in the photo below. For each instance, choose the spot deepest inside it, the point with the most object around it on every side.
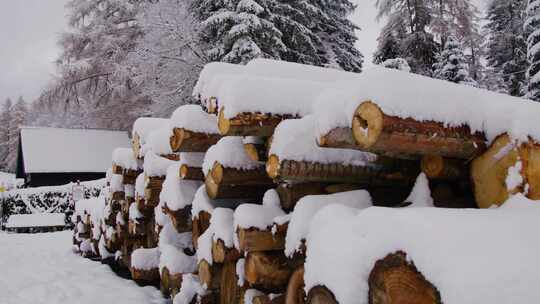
(145, 266)
(394, 279)
(250, 124)
(256, 148)
(291, 193)
(267, 270)
(221, 253)
(383, 134)
(254, 239)
(142, 128)
(192, 129)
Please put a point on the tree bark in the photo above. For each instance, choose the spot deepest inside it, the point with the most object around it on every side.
(116, 169)
(290, 194)
(184, 140)
(200, 223)
(267, 270)
(295, 288)
(395, 280)
(220, 191)
(231, 176)
(230, 292)
(223, 254)
(181, 219)
(249, 124)
(341, 138)
(191, 173)
(379, 133)
(258, 240)
(210, 274)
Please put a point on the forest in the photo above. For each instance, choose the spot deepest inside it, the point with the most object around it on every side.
(123, 59)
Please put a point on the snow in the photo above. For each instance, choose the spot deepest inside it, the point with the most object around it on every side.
(159, 142)
(259, 216)
(116, 184)
(161, 218)
(204, 248)
(36, 220)
(230, 153)
(143, 127)
(221, 224)
(420, 195)
(455, 105)
(191, 287)
(212, 76)
(176, 260)
(194, 118)
(42, 268)
(294, 139)
(170, 237)
(192, 159)
(308, 206)
(140, 183)
(134, 213)
(177, 193)
(50, 150)
(467, 253)
(95, 207)
(514, 178)
(145, 259)
(250, 294)
(124, 158)
(155, 165)
(240, 271)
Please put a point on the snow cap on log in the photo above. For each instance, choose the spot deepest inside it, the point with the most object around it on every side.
(139, 186)
(230, 153)
(176, 260)
(170, 237)
(159, 142)
(295, 140)
(176, 193)
(124, 158)
(193, 118)
(145, 259)
(191, 288)
(143, 127)
(471, 251)
(201, 202)
(222, 226)
(192, 159)
(155, 165)
(308, 206)
(134, 213)
(211, 78)
(116, 183)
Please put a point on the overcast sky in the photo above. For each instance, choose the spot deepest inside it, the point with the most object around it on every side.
(29, 30)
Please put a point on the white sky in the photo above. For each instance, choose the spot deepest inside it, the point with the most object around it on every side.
(29, 31)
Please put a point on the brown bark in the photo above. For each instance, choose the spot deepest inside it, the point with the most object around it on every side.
(137, 229)
(379, 133)
(118, 195)
(136, 145)
(249, 124)
(295, 288)
(438, 167)
(191, 173)
(129, 177)
(231, 176)
(220, 191)
(395, 280)
(210, 274)
(116, 169)
(230, 292)
(384, 171)
(181, 219)
(223, 254)
(261, 240)
(145, 276)
(341, 138)
(256, 151)
(201, 222)
(152, 190)
(267, 270)
(290, 194)
(170, 283)
(322, 295)
(184, 140)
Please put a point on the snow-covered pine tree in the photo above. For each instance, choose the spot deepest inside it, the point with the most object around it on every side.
(506, 48)
(18, 114)
(169, 57)
(532, 28)
(397, 64)
(451, 64)
(389, 43)
(5, 117)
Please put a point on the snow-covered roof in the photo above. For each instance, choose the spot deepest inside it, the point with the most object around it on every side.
(52, 150)
(36, 220)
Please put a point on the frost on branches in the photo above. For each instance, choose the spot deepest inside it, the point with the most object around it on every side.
(452, 65)
(532, 26)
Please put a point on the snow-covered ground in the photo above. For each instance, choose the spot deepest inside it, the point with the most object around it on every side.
(42, 269)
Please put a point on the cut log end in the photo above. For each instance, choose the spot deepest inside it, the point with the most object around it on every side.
(295, 288)
(395, 280)
(177, 139)
(253, 152)
(267, 270)
(224, 124)
(272, 166)
(217, 173)
(191, 173)
(432, 165)
(367, 124)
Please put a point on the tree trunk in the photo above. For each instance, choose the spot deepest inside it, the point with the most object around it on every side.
(437, 167)
(267, 270)
(184, 140)
(154, 184)
(249, 124)
(379, 133)
(384, 171)
(210, 274)
(231, 176)
(257, 240)
(295, 288)
(220, 191)
(322, 295)
(395, 280)
(230, 292)
(222, 254)
(191, 173)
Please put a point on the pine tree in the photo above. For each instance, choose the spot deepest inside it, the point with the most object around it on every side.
(5, 117)
(451, 64)
(506, 49)
(532, 28)
(18, 114)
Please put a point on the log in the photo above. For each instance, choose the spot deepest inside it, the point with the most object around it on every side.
(262, 299)
(200, 223)
(295, 288)
(129, 177)
(146, 277)
(116, 169)
(137, 229)
(438, 167)
(382, 134)
(173, 156)
(222, 254)
(395, 280)
(290, 194)
(170, 283)
(136, 145)
(191, 173)
(220, 191)
(257, 151)
(249, 124)
(385, 171)
(258, 240)
(154, 184)
(118, 196)
(181, 219)
(230, 292)
(341, 138)
(489, 172)
(184, 140)
(267, 270)
(452, 195)
(322, 295)
(231, 176)
(210, 274)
